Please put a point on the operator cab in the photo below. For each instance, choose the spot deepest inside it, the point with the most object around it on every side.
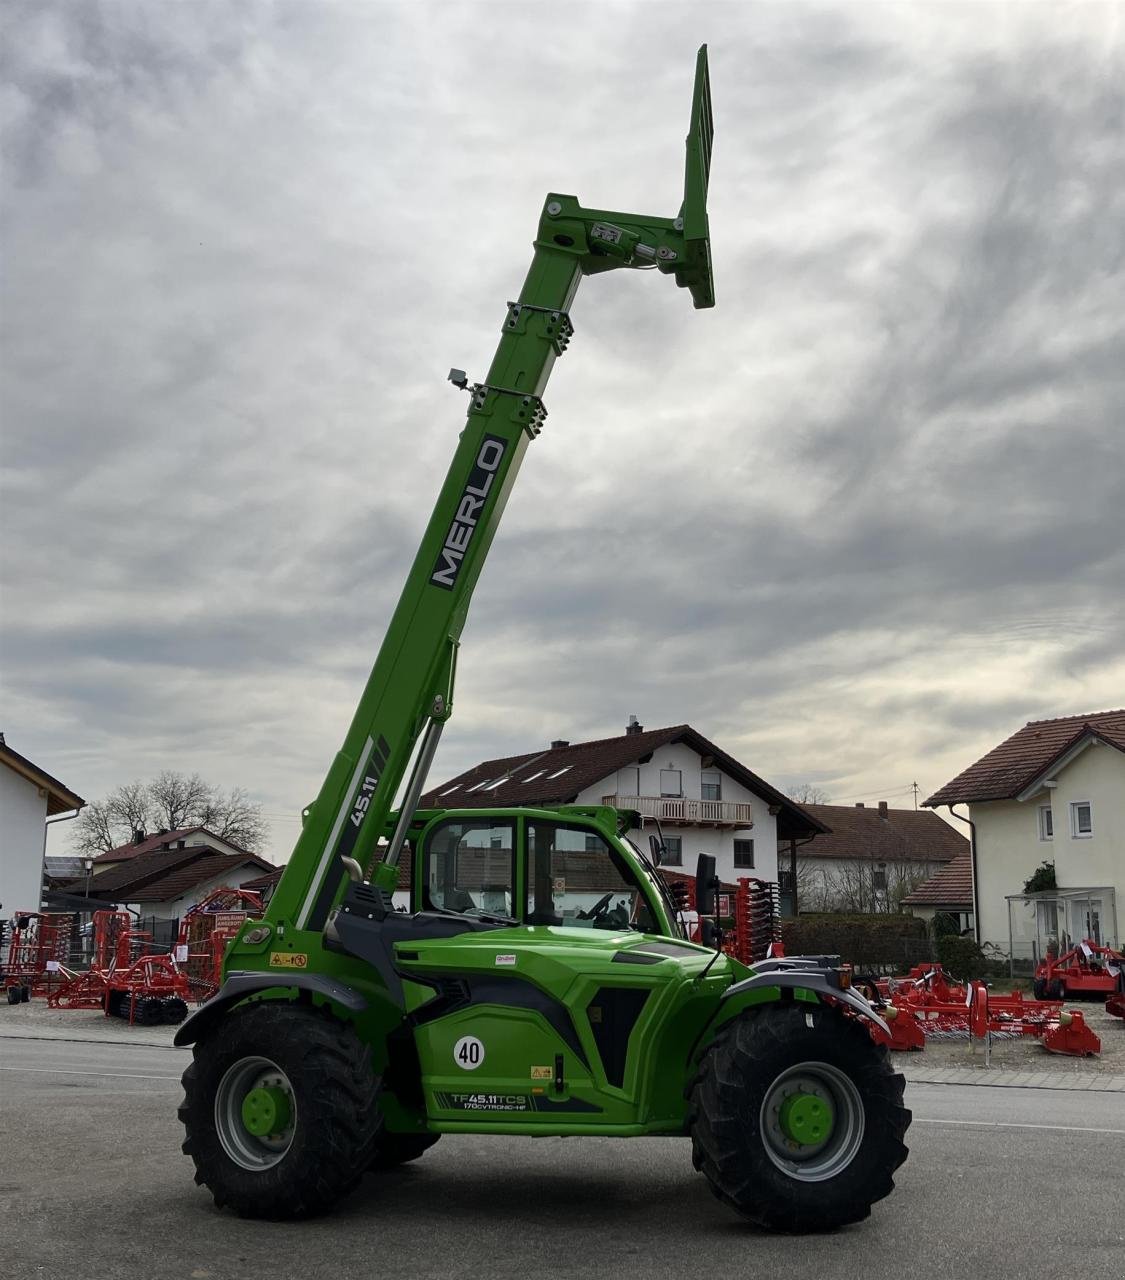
(532, 870)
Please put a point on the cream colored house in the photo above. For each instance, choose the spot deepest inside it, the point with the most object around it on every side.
(1053, 792)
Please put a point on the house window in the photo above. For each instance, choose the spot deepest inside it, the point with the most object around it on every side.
(1046, 823)
(673, 855)
(593, 843)
(671, 782)
(1081, 819)
(711, 785)
(744, 854)
(628, 782)
(879, 878)
(785, 879)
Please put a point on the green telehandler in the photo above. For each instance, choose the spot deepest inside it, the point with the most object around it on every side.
(541, 981)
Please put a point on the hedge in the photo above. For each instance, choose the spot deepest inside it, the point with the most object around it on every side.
(866, 941)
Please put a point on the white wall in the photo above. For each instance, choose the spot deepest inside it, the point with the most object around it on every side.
(23, 811)
(1009, 847)
(718, 841)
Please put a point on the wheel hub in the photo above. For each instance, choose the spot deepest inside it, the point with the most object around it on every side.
(806, 1119)
(266, 1111)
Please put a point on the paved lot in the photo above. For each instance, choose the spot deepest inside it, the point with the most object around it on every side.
(1000, 1182)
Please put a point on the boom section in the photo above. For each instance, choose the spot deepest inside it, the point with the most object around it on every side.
(410, 690)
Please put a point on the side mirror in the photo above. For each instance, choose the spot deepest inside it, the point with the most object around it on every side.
(706, 882)
(656, 848)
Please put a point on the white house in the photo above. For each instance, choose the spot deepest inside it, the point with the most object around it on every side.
(872, 858)
(1053, 792)
(704, 799)
(28, 797)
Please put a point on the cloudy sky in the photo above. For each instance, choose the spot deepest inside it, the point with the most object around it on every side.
(857, 524)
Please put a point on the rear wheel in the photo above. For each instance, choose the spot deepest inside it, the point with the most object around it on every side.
(400, 1148)
(281, 1110)
(1039, 988)
(797, 1119)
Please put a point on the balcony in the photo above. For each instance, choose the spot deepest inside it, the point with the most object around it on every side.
(677, 810)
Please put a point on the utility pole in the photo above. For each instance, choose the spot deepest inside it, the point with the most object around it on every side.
(914, 788)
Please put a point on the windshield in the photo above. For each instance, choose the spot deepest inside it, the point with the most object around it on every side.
(674, 912)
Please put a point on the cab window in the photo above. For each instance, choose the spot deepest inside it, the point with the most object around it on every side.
(469, 867)
(574, 877)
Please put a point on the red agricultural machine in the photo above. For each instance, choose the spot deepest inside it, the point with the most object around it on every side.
(1087, 971)
(927, 1001)
(129, 979)
(206, 931)
(38, 944)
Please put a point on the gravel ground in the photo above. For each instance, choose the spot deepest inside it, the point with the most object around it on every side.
(35, 1021)
(1025, 1053)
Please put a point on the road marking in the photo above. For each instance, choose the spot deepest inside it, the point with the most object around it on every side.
(1015, 1124)
(60, 1071)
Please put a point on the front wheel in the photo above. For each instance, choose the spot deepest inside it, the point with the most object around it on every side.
(281, 1110)
(797, 1119)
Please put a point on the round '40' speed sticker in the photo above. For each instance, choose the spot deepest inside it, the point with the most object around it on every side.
(468, 1053)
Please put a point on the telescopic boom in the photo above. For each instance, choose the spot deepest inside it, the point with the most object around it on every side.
(409, 694)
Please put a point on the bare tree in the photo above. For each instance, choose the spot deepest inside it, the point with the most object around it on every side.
(129, 807)
(808, 793)
(872, 887)
(178, 800)
(94, 830)
(170, 801)
(234, 817)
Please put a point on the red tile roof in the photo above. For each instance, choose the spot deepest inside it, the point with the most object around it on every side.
(1007, 769)
(894, 836)
(160, 840)
(951, 887)
(218, 866)
(161, 874)
(558, 775)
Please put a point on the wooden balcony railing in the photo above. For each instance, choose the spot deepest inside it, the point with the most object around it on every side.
(678, 809)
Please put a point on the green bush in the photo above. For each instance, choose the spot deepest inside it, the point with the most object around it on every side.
(945, 926)
(1043, 877)
(865, 941)
(962, 958)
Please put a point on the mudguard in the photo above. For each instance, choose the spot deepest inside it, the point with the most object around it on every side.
(241, 984)
(808, 980)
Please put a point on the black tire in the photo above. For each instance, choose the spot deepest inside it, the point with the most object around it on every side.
(751, 1060)
(173, 1010)
(336, 1118)
(1056, 990)
(25, 994)
(13, 995)
(1039, 988)
(149, 1011)
(400, 1148)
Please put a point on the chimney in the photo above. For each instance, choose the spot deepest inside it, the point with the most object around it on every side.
(859, 804)
(559, 742)
(138, 835)
(633, 727)
(882, 809)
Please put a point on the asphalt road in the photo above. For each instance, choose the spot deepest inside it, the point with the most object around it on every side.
(1000, 1183)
